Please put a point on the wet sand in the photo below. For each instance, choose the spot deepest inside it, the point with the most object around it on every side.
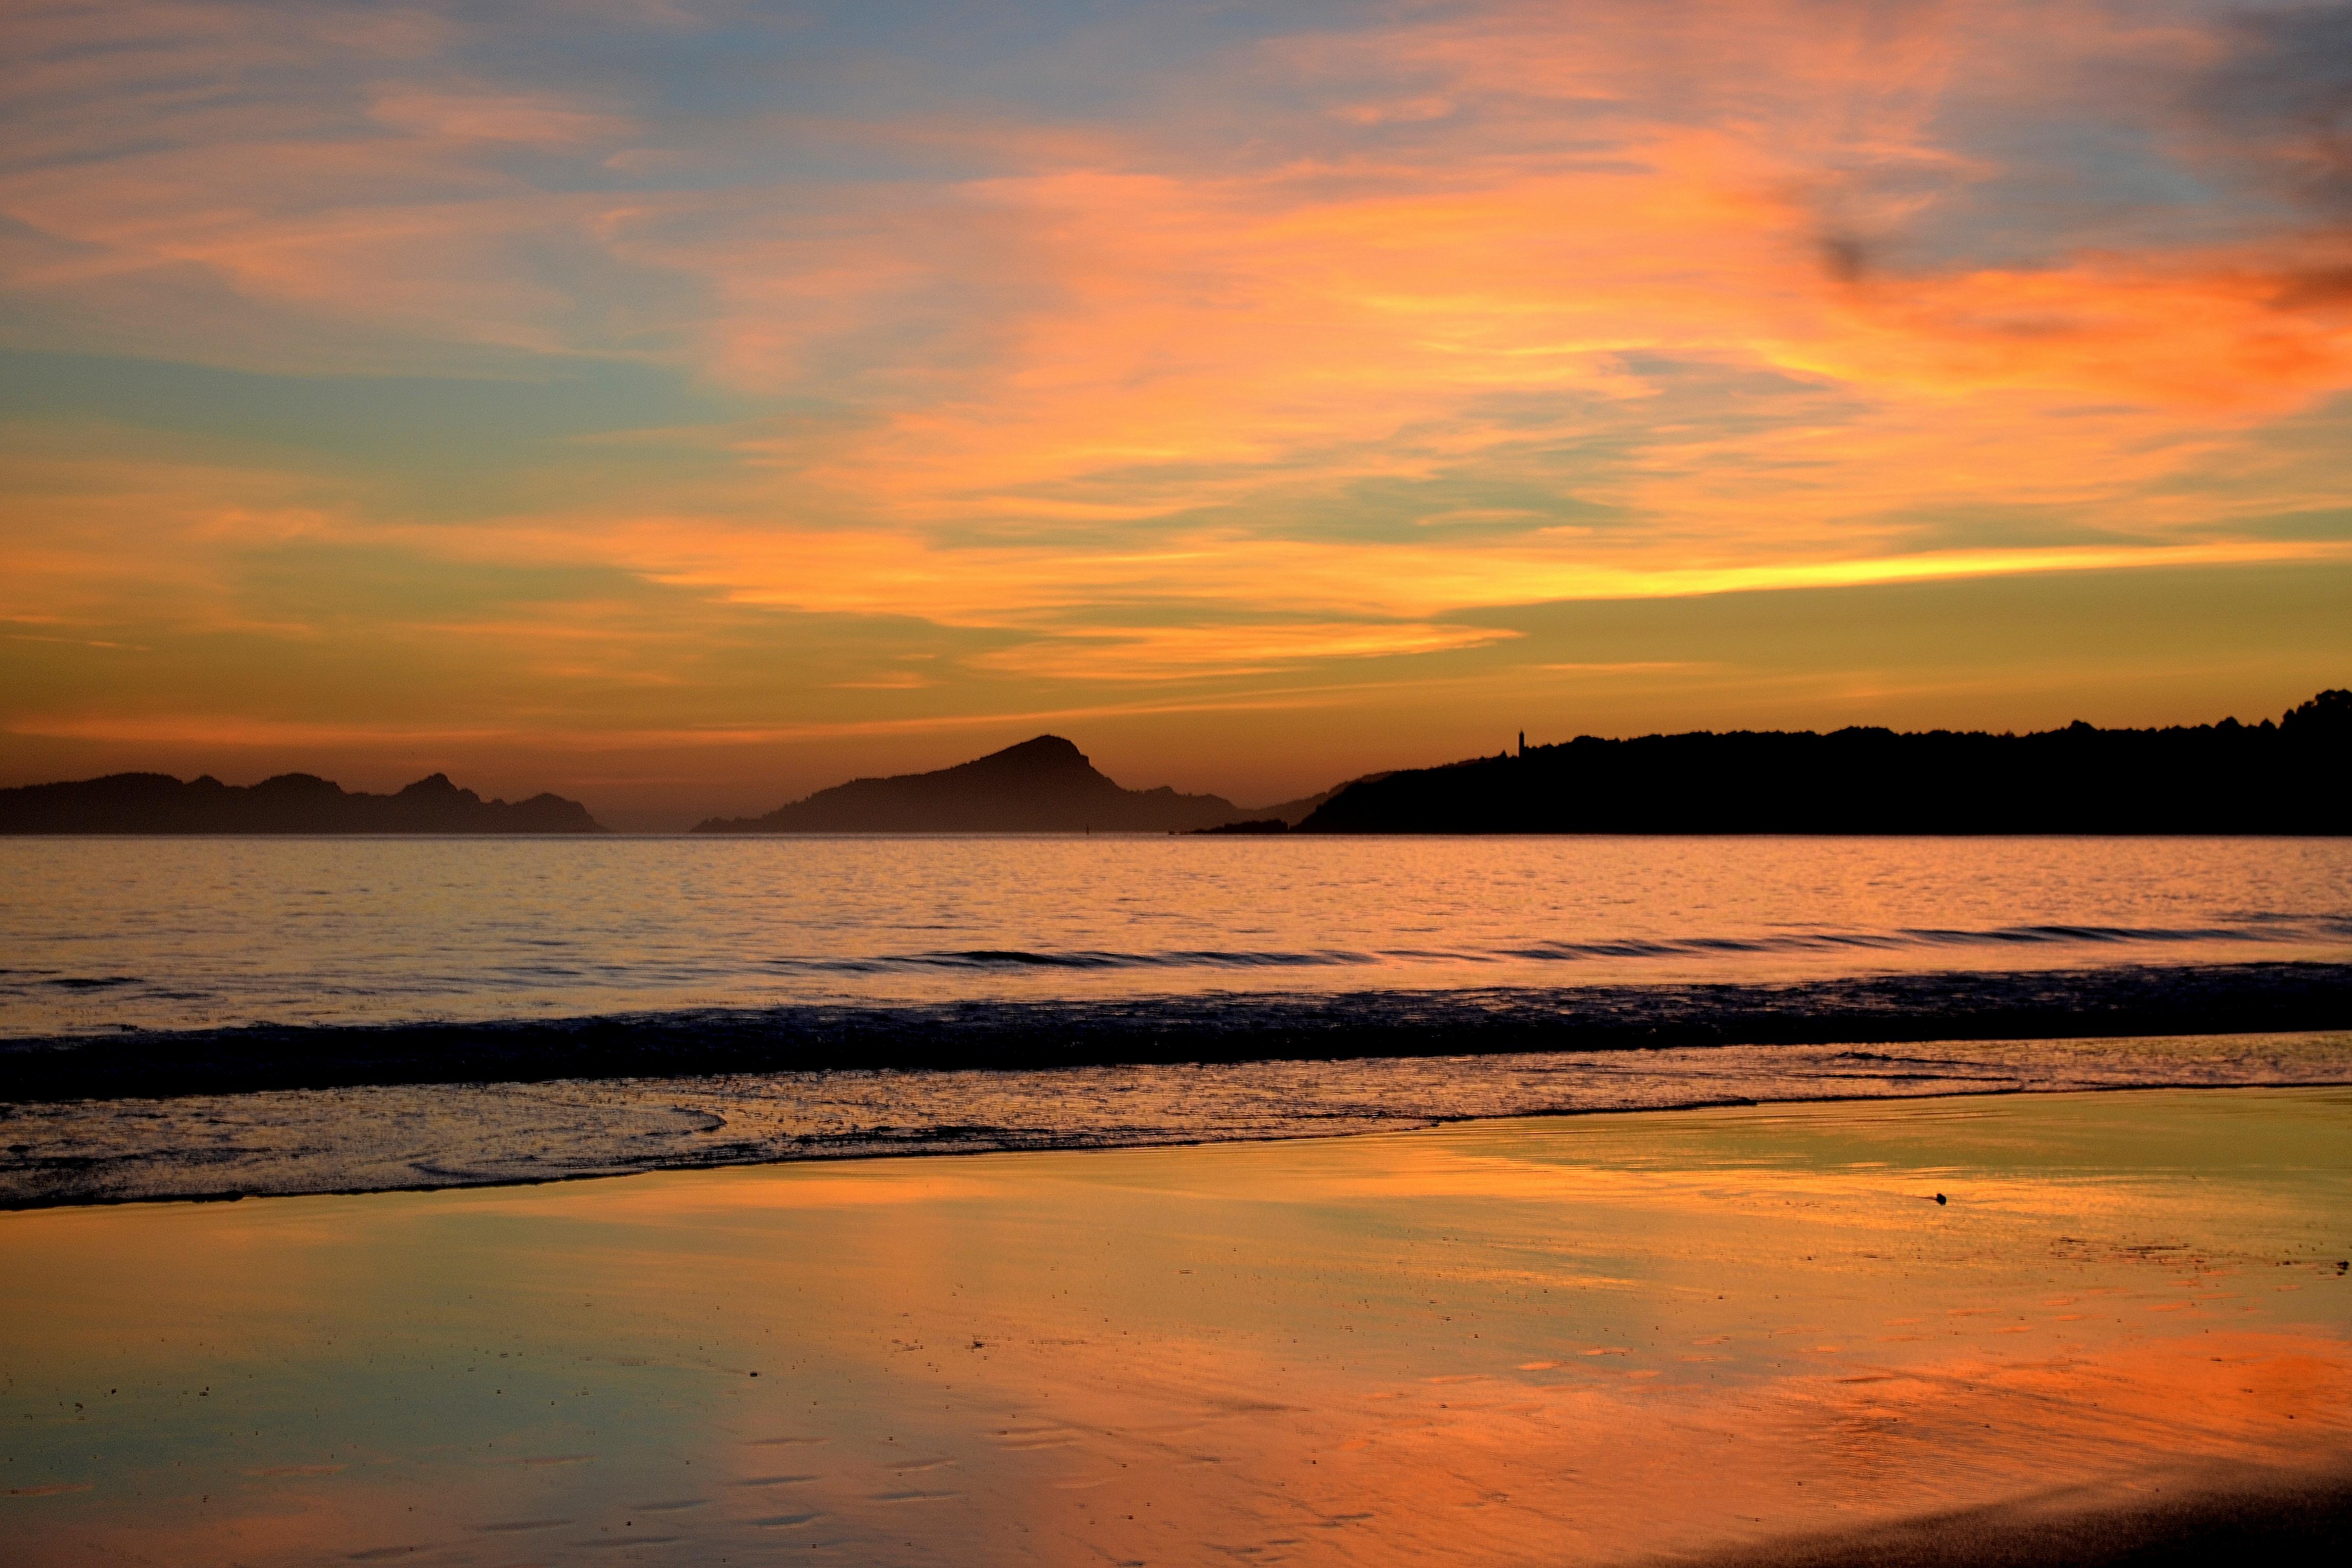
(407, 1137)
(1744, 1335)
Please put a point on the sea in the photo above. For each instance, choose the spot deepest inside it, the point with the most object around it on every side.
(970, 993)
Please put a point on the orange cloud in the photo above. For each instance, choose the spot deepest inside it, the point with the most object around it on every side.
(1297, 352)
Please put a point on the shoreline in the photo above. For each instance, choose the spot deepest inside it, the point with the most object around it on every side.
(1430, 1125)
(834, 1117)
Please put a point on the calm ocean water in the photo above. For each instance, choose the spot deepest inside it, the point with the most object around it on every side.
(174, 933)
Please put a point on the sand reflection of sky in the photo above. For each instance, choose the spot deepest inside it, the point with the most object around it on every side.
(1614, 1334)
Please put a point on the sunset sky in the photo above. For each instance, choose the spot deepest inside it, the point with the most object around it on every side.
(683, 404)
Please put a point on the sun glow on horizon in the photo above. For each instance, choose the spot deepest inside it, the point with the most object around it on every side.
(387, 378)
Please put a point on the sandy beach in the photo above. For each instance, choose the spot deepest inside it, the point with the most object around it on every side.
(1736, 1335)
(1457, 784)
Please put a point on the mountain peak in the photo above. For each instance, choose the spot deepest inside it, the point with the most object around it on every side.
(1041, 753)
(1045, 785)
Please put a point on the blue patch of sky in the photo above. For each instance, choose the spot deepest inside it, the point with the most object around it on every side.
(2065, 185)
(1073, 57)
(371, 419)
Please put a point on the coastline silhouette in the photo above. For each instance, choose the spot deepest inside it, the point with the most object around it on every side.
(1042, 786)
(289, 803)
(2281, 777)
(2269, 778)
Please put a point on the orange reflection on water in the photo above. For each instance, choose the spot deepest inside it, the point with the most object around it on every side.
(1600, 1338)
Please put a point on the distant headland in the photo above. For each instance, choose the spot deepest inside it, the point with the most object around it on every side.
(2284, 778)
(1043, 786)
(2273, 777)
(290, 803)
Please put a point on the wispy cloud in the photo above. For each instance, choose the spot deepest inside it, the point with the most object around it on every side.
(1161, 345)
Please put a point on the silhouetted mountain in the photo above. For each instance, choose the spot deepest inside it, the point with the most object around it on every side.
(290, 803)
(1293, 812)
(2289, 777)
(1272, 819)
(1045, 785)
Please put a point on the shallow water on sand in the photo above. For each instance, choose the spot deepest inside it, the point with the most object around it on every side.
(99, 934)
(1590, 1341)
(387, 1137)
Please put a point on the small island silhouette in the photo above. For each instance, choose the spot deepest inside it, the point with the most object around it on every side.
(1042, 786)
(289, 803)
